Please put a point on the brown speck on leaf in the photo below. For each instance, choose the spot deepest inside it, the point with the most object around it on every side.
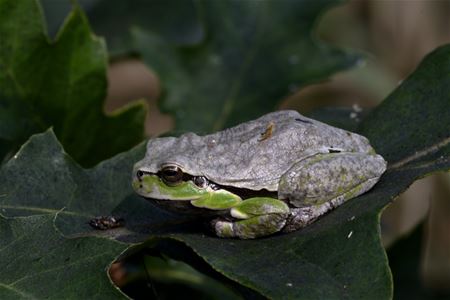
(268, 132)
(106, 222)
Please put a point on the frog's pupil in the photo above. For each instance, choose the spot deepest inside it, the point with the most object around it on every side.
(172, 175)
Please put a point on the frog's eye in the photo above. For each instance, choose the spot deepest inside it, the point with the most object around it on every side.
(171, 175)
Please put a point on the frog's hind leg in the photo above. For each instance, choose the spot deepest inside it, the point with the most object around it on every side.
(322, 182)
(256, 217)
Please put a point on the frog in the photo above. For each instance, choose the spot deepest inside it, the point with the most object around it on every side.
(275, 174)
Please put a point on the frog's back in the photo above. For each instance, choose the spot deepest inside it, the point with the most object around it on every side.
(254, 154)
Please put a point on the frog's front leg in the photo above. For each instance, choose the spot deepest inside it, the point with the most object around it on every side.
(256, 217)
(322, 182)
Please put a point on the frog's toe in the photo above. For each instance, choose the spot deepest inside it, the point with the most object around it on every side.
(250, 228)
(223, 228)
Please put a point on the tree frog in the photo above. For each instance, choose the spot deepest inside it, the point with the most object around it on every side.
(279, 172)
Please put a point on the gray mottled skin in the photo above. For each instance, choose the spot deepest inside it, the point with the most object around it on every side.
(312, 166)
(240, 157)
(323, 177)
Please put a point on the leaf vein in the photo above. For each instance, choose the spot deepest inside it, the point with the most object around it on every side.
(45, 210)
(59, 267)
(25, 295)
(420, 154)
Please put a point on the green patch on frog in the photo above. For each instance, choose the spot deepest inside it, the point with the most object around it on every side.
(185, 191)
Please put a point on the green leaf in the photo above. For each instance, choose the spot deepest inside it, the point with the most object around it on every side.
(178, 21)
(411, 127)
(42, 179)
(37, 262)
(50, 181)
(59, 83)
(254, 53)
(52, 198)
(181, 25)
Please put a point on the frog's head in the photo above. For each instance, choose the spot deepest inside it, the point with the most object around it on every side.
(172, 183)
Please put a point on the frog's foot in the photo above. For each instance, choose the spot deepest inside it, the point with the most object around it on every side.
(303, 216)
(257, 217)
